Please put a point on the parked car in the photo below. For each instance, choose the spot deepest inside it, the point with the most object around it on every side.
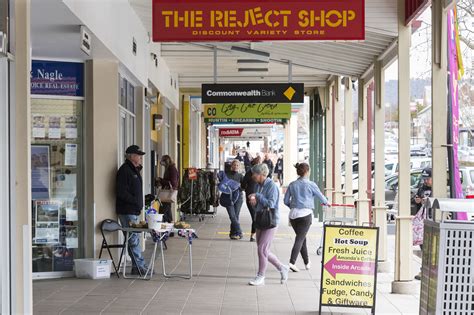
(418, 150)
(391, 186)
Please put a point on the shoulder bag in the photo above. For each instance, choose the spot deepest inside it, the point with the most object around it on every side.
(168, 195)
(265, 219)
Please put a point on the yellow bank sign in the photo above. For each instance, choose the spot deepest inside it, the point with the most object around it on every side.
(349, 267)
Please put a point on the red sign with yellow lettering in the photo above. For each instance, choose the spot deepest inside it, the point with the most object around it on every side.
(251, 20)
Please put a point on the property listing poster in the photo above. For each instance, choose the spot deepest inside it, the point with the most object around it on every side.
(71, 127)
(47, 221)
(39, 126)
(54, 127)
(40, 172)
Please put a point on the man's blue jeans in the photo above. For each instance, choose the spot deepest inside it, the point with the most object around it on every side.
(234, 213)
(134, 249)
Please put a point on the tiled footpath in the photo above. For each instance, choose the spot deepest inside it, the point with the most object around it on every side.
(222, 269)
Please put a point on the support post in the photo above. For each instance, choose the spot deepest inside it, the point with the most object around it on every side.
(439, 100)
(20, 159)
(380, 209)
(329, 187)
(403, 283)
(291, 152)
(337, 141)
(362, 200)
(349, 134)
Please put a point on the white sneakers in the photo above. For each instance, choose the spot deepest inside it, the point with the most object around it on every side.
(296, 269)
(259, 280)
(284, 273)
(293, 267)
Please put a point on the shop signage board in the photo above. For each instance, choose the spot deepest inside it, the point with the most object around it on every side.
(252, 20)
(246, 112)
(57, 78)
(245, 120)
(252, 93)
(349, 267)
(244, 132)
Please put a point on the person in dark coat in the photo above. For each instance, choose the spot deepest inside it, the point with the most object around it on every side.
(234, 209)
(249, 185)
(269, 164)
(170, 180)
(129, 202)
(279, 169)
(247, 161)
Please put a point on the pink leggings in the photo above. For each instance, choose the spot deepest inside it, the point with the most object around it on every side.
(264, 241)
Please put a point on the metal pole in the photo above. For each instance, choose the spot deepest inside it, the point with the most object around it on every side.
(215, 64)
(290, 71)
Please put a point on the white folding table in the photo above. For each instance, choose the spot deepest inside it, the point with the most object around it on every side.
(160, 236)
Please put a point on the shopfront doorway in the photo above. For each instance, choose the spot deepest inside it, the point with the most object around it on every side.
(57, 167)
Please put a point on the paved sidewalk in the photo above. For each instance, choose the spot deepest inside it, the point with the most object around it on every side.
(222, 269)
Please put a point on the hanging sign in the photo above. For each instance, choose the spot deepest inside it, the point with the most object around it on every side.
(245, 120)
(252, 20)
(349, 267)
(246, 112)
(192, 174)
(244, 132)
(57, 78)
(252, 93)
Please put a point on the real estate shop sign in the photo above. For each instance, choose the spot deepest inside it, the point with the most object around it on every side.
(252, 20)
(252, 93)
(57, 78)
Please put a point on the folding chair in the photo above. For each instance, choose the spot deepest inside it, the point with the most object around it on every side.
(109, 225)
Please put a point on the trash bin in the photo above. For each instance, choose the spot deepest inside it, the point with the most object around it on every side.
(447, 277)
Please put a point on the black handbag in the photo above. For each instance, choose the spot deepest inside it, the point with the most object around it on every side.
(265, 219)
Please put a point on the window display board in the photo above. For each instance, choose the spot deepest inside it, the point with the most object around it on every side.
(56, 166)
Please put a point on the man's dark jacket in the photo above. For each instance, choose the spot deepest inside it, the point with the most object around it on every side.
(129, 190)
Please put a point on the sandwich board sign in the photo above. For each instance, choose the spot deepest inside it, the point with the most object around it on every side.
(349, 267)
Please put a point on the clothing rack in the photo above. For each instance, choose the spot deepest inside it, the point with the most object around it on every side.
(200, 208)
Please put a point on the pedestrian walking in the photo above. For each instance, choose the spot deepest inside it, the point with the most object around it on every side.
(299, 197)
(129, 203)
(266, 202)
(279, 169)
(268, 161)
(249, 185)
(233, 207)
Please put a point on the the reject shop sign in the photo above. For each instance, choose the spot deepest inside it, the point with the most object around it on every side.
(251, 20)
(245, 132)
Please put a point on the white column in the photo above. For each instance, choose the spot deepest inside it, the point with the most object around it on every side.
(362, 200)
(403, 244)
(337, 112)
(329, 189)
(439, 99)
(290, 150)
(21, 260)
(380, 209)
(349, 134)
